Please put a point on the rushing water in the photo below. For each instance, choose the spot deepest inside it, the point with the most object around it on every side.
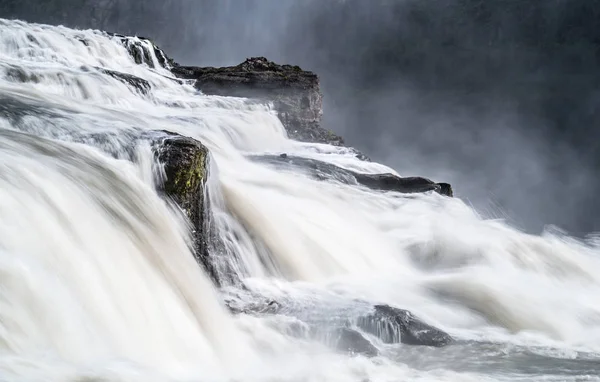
(97, 281)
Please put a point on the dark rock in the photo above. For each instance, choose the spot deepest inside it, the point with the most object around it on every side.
(140, 84)
(349, 340)
(294, 92)
(83, 41)
(385, 182)
(446, 189)
(393, 325)
(186, 167)
(391, 182)
(185, 163)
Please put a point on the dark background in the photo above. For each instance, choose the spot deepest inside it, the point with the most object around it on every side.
(501, 98)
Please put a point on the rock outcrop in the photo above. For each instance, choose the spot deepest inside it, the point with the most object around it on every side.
(384, 182)
(294, 92)
(185, 162)
(393, 325)
(391, 182)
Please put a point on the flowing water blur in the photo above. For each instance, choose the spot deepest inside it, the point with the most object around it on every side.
(98, 282)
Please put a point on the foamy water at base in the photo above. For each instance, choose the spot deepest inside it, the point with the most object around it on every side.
(98, 282)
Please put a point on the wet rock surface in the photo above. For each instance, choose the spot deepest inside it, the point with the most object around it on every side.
(185, 162)
(345, 331)
(262, 306)
(343, 339)
(391, 182)
(351, 341)
(140, 84)
(384, 182)
(140, 49)
(394, 325)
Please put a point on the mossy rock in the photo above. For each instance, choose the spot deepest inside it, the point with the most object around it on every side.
(185, 162)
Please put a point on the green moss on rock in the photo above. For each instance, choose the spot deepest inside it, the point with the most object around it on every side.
(185, 162)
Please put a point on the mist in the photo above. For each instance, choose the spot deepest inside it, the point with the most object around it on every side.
(499, 98)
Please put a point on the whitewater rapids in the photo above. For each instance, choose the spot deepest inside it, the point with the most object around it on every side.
(97, 280)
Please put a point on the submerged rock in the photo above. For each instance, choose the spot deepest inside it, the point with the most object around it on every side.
(343, 339)
(256, 307)
(294, 92)
(351, 341)
(142, 49)
(385, 182)
(140, 84)
(393, 325)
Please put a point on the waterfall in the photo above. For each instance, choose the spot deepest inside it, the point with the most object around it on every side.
(98, 279)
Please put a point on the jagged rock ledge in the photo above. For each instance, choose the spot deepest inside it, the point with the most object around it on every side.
(294, 92)
(382, 182)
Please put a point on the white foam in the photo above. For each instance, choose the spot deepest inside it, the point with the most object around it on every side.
(96, 270)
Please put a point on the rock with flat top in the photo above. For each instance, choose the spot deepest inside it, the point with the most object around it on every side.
(294, 92)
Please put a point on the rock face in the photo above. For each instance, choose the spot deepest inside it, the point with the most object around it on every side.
(395, 325)
(294, 93)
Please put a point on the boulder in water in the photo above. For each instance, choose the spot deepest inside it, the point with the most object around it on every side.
(185, 162)
(350, 340)
(393, 325)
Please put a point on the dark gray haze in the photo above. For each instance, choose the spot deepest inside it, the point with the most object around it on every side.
(500, 98)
